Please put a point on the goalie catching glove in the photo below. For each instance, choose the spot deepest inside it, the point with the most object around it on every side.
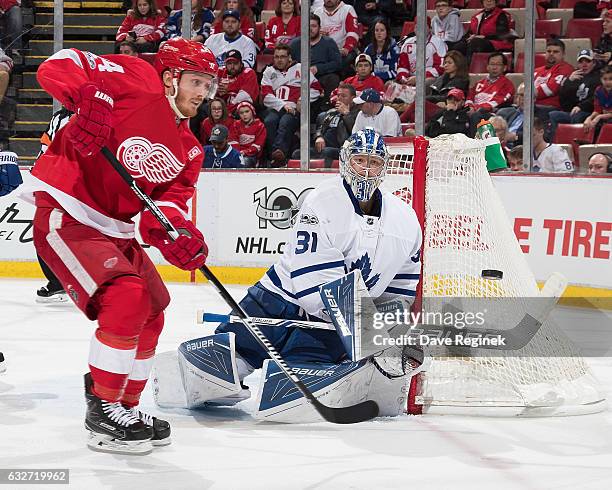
(92, 124)
(188, 251)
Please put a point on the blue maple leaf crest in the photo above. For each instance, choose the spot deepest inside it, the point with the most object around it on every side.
(364, 264)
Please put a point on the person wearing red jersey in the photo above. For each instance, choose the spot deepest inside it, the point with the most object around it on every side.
(547, 79)
(339, 21)
(217, 114)
(248, 134)
(284, 26)
(143, 25)
(491, 29)
(364, 78)
(83, 226)
(435, 50)
(280, 89)
(246, 19)
(236, 82)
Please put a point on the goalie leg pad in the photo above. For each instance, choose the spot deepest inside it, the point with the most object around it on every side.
(335, 385)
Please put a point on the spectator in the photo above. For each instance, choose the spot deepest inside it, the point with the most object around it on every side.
(232, 38)
(325, 59)
(280, 88)
(453, 118)
(370, 11)
(217, 114)
(548, 79)
(220, 154)
(447, 24)
(339, 21)
(128, 48)
(603, 50)
(247, 21)
(548, 157)
(248, 134)
(435, 50)
(201, 22)
(491, 29)
(576, 94)
(383, 50)
(364, 78)
(143, 25)
(284, 26)
(375, 115)
(515, 159)
(455, 75)
(500, 126)
(13, 25)
(6, 66)
(600, 163)
(515, 116)
(334, 126)
(236, 82)
(7, 105)
(602, 107)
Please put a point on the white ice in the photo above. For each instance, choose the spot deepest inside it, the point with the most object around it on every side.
(42, 413)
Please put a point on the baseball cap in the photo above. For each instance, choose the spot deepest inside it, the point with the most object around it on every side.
(456, 93)
(231, 13)
(363, 57)
(218, 133)
(233, 54)
(585, 53)
(368, 95)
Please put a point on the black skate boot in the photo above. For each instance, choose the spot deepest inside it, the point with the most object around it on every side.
(113, 428)
(161, 428)
(51, 294)
(2, 363)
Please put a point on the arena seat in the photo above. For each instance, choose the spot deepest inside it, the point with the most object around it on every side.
(262, 61)
(316, 163)
(519, 64)
(150, 57)
(408, 27)
(270, 4)
(519, 20)
(398, 140)
(585, 28)
(293, 164)
(517, 4)
(573, 134)
(519, 47)
(605, 135)
(266, 15)
(260, 30)
(568, 4)
(479, 62)
(586, 151)
(547, 28)
(564, 14)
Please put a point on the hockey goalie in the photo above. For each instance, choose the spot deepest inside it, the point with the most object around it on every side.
(351, 244)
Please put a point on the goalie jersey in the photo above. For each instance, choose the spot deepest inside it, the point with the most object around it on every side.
(332, 237)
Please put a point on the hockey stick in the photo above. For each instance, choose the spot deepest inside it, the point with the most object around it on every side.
(345, 415)
(203, 317)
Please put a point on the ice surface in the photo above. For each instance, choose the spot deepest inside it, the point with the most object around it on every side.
(42, 412)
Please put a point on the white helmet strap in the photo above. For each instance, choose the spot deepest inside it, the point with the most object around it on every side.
(172, 98)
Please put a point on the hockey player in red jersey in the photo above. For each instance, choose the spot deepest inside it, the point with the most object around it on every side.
(83, 226)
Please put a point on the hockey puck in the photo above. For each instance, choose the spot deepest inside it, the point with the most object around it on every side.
(492, 274)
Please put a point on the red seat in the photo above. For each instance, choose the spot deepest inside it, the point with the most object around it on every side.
(591, 28)
(218, 5)
(568, 4)
(150, 57)
(262, 61)
(517, 4)
(605, 135)
(540, 60)
(466, 26)
(408, 27)
(398, 140)
(260, 30)
(473, 4)
(479, 62)
(293, 164)
(573, 134)
(270, 4)
(316, 163)
(547, 28)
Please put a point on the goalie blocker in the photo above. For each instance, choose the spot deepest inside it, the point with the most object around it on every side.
(207, 371)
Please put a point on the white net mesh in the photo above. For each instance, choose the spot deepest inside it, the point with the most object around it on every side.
(466, 232)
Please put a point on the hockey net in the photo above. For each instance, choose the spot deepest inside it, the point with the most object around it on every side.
(466, 231)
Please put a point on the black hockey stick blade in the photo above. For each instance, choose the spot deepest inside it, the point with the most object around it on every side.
(344, 415)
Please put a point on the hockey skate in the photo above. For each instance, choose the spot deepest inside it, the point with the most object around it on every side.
(161, 428)
(2, 363)
(113, 428)
(47, 294)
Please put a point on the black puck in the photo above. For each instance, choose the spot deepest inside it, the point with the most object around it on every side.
(492, 274)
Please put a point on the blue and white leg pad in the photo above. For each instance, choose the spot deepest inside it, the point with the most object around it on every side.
(335, 385)
(205, 372)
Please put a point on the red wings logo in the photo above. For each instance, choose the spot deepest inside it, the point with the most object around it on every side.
(153, 161)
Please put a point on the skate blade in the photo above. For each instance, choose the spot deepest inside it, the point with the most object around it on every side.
(161, 442)
(57, 298)
(106, 444)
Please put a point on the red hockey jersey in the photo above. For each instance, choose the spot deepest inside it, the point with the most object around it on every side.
(163, 157)
(485, 24)
(548, 81)
(207, 125)
(277, 32)
(242, 87)
(489, 94)
(151, 28)
(248, 140)
(360, 85)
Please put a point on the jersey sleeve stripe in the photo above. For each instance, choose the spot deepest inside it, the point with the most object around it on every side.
(317, 267)
(403, 292)
(407, 276)
(271, 273)
(306, 292)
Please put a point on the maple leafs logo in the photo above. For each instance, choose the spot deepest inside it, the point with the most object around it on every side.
(364, 264)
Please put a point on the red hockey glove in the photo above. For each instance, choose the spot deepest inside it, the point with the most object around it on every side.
(189, 251)
(92, 124)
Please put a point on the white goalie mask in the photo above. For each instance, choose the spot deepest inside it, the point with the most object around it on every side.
(363, 162)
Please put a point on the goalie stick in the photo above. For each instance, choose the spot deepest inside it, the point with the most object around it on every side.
(204, 317)
(342, 415)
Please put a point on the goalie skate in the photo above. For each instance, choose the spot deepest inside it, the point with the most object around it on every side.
(113, 428)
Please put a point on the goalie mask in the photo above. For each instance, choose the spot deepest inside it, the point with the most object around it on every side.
(179, 55)
(363, 162)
